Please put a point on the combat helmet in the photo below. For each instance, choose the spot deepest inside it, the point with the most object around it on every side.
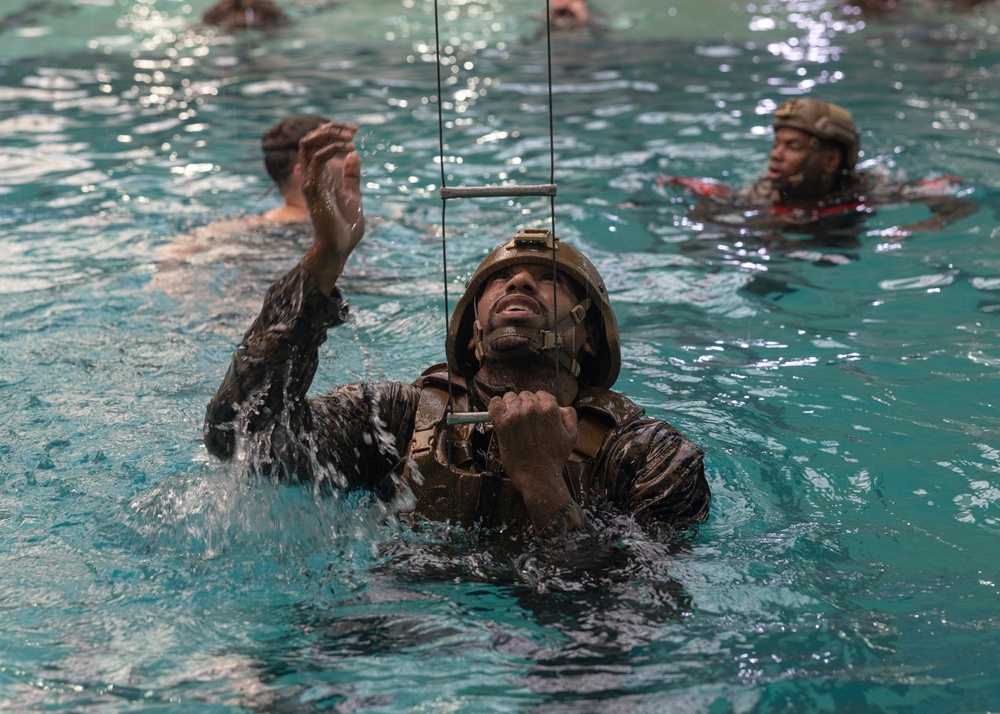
(537, 246)
(824, 120)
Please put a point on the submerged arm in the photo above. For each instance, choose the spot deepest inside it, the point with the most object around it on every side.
(939, 196)
(945, 210)
(651, 472)
(536, 437)
(648, 469)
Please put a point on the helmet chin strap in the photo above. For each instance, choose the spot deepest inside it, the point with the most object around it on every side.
(535, 341)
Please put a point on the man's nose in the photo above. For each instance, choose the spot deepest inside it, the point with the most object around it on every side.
(521, 280)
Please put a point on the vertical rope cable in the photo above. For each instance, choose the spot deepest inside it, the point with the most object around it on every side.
(444, 232)
(444, 257)
(437, 54)
(444, 203)
(552, 180)
(552, 144)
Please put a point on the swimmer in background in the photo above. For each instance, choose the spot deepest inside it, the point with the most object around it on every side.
(246, 15)
(252, 241)
(569, 14)
(888, 9)
(812, 179)
(280, 145)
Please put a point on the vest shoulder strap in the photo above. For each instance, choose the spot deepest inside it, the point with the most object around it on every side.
(432, 406)
(599, 411)
(434, 383)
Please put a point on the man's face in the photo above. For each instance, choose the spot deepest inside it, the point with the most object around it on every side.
(529, 296)
(798, 164)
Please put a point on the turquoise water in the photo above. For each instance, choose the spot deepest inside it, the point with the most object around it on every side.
(848, 408)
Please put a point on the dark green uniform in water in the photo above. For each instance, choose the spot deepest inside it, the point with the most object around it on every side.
(389, 437)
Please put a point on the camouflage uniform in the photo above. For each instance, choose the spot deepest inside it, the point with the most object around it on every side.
(388, 437)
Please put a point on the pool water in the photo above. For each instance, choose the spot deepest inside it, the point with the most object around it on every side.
(847, 404)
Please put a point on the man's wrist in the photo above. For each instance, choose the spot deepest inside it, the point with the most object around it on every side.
(567, 519)
(544, 503)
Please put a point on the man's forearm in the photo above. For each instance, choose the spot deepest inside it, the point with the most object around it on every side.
(274, 364)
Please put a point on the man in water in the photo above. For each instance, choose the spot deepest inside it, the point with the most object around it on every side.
(254, 241)
(812, 177)
(533, 342)
(246, 15)
(814, 156)
(280, 145)
(569, 14)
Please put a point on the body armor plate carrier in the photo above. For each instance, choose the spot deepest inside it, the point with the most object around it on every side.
(455, 485)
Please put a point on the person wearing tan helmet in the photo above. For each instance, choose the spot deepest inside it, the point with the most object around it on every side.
(814, 155)
(533, 342)
(812, 177)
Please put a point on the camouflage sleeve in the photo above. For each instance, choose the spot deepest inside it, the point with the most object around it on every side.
(348, 435)
(569, 519)
(657, 474)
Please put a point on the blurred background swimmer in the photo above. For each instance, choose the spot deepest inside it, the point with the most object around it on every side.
(573, 17)
(891, 9)
(812, 182)
(259, 243)
(280, 145)
(246, 15)
(569, 14)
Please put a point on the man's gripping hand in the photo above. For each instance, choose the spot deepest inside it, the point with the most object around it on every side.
(536, 437)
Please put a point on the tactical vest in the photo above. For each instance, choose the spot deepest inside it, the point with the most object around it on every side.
(450, 484)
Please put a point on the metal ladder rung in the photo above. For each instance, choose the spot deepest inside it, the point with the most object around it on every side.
(545, 189)
(468, 418)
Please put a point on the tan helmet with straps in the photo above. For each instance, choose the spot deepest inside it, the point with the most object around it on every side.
(824, 120)
(540, 247)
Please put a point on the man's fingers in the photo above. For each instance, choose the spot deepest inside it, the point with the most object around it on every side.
(332, 151)
(324, 135)
(327, 132)
(497, 408)
(514, 405)
(314, 177)
(349, 189)
(569, 419)
(352, 172)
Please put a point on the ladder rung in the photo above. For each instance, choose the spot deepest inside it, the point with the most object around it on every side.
(545, 189)
(468, 417)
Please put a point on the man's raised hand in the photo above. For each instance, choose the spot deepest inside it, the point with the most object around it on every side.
(331, 184)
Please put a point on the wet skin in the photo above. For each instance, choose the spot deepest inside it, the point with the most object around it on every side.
(799, 168)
